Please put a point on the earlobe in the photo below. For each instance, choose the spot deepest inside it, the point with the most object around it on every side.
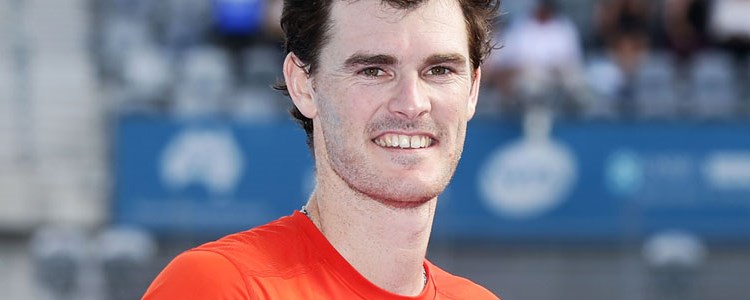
(473, 94)
(299, 86)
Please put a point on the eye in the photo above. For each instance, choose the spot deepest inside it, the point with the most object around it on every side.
(372, 72)
(439, 70)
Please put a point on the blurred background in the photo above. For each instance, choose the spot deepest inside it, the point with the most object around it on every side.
(609, 158)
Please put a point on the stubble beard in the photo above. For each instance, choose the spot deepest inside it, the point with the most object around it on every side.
(358, 172)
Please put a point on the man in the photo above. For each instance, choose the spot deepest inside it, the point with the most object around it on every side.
(384, 90)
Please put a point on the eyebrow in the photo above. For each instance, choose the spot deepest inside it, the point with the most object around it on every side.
(359, 59)
(452, 58)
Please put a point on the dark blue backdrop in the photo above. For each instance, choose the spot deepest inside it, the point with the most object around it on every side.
(598, 182)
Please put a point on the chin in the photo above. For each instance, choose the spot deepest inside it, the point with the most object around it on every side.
(403, 198)
(403, 203)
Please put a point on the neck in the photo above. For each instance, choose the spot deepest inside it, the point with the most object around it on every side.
(385, 244)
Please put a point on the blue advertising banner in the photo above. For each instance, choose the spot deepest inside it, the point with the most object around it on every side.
(601, 182)
(589, 181)
(208, 177)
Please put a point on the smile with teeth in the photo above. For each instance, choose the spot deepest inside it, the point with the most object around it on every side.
(403, 141)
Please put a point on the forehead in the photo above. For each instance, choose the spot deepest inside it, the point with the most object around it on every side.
(370, 26)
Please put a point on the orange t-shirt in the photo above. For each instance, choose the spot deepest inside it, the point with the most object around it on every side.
(286, 259)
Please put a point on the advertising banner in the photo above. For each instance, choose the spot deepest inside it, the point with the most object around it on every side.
(588, 181)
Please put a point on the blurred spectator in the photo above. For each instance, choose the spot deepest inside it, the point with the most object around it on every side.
(541, 57)
(624, 27)
(730, 25)
(686, 27)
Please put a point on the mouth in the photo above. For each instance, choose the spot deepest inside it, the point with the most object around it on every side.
(404, 141)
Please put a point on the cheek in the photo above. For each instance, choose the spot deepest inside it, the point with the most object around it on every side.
(329, 114)
(331, 106)
(451, 113)
(356, 106)
(337, 113)
(451, 107)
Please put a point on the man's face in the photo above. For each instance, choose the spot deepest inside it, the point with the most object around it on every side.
(393, 93)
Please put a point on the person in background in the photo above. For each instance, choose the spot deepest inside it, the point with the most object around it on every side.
(624, 27)
(384, 90)
(686, 28)
(730, 27)
(541, 60)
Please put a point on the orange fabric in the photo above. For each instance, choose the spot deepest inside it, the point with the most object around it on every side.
(285, 259)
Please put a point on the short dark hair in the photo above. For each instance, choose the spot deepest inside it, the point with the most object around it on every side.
(306, 23)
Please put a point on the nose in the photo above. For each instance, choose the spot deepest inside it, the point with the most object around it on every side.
(411, 100)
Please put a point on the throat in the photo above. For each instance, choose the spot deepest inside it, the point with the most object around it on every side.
(385, 244)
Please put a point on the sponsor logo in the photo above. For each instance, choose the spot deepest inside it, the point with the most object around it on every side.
(728, 171)
(624, 173)
(527, 179)
(207, 157)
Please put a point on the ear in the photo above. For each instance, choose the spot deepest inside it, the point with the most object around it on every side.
(299, 86)
(473, 94)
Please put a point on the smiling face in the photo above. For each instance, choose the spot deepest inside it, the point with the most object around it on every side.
(391, 98)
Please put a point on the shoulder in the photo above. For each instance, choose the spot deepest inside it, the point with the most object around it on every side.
(222, 268)
(200, 275)
(265, 250)
(455, 287)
